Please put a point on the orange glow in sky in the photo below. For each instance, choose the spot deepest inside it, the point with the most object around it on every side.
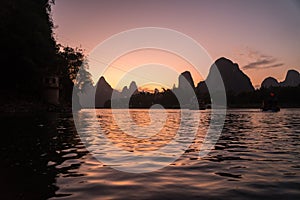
(149, 68)
(261, 36)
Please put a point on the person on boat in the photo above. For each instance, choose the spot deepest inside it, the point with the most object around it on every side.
(271, 104)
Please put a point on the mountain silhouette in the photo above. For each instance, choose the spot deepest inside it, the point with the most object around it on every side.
(292, 79)
(185, 80)
(124, 93)
(133, 89)
(127, 92)
(235, 81)
(186, 88)
(270, 82)
(103, 93)
(238, 86)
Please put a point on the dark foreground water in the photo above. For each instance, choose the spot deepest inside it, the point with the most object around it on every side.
(256, 157)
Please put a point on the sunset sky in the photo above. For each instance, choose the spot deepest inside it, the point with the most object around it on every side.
(262, 36)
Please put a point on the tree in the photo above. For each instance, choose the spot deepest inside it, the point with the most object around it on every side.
(72, 71)
(29, 49)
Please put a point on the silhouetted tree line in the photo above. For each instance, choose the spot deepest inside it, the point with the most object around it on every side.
(29, 49)
(287, 97)
(30, 52)
(72, 70)
(145, 99)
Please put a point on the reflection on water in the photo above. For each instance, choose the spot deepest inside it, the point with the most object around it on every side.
(257, 156)
(114, 143)
(152, 138)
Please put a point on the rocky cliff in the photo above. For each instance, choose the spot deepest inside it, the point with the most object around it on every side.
(103, 93)
(235, 81)
(292, 79)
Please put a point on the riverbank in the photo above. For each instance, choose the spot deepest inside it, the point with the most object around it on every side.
(13, 103)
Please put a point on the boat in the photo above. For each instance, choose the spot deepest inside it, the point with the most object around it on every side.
(270, 105)
(272, 109)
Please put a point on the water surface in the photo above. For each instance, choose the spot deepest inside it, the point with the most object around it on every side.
(257, 156)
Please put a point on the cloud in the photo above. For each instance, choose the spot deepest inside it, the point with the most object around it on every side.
(262, 61)
(273, 66)
(263, 64)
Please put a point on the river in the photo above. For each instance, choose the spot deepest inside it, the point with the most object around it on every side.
(257, 156)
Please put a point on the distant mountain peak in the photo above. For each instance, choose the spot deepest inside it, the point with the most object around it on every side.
(188, 78)
(133, 86)
(233, 78)
(270, 82)
(292, 74)
(226, 64)
(102, 78)
(292, 79)
(223, 59)
(293, 71)
(103, 92)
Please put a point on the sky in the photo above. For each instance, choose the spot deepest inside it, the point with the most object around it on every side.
(262, 36)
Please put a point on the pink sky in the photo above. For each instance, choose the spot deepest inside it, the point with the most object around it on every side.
(261, 36)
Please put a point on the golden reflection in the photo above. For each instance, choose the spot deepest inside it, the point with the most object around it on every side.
(141, 118)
